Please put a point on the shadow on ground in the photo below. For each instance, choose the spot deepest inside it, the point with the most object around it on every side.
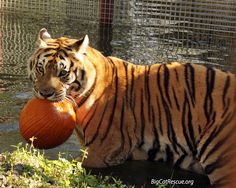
(147, 174)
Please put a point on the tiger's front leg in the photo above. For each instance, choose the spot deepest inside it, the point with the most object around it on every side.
(104, 155)
(110, 143)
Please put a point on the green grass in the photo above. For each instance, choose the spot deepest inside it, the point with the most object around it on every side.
(28, 167)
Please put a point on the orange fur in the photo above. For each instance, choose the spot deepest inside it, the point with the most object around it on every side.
(184, 114)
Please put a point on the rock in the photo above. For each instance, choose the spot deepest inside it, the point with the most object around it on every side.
(18, 169)
(2, 158)
(2, 180)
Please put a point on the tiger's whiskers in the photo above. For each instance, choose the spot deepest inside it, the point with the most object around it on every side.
(72, 100)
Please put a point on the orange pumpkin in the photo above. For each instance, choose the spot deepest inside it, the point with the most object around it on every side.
(50, 123)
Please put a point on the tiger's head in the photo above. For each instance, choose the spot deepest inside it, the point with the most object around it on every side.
(59, 67)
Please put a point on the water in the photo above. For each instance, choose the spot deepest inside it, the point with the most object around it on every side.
(140, 44)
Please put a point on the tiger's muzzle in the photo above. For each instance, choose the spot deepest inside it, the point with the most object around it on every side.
(51, 89)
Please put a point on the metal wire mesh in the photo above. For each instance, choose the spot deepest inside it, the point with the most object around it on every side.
(176, 29)
(212, 15)
(207, 15)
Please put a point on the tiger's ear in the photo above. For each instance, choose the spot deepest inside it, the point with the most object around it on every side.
(81, 45)
(43, 36)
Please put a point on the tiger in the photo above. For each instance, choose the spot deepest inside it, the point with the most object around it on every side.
(183, 114)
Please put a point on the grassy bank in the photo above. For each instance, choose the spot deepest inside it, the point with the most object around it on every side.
(28, 167)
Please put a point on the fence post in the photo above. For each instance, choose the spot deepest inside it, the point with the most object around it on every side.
(106, 11)
(105, 26)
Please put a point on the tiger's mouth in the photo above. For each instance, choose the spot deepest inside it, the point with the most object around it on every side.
(54, 95)
(50, 94)
(57, 96)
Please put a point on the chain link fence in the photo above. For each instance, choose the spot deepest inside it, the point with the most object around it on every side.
(177, 29)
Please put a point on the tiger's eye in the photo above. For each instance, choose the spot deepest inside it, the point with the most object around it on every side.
(63, 73)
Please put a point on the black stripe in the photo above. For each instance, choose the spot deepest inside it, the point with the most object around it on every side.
(147, 90)
(213, 119)
(129, 139)
(170, 130)
(82, 72)
(39, 70)
(133, 101)
(169, 155)
(156, 143)
(226, 101)
(68, 48)
(63, 52)
(199, 129)
(226, 108)
(226, 87)
(159, 115)
(215, 133)
(208, 104)
(113, 68)
(71, 64)
(176, 75)
(176, 100)
(111, 118)
(217, 146)
(128, 100)
(209, 169)
(47, 55)
(164, 103)
(45, 50)
(154, 124)
(225, 122)
(126, 82)
(142, 116)
(93, 115)
(61, 56)
(98, 127)
(120, 149)
(132, 86)
(135, 118)
(122, 126)
(166, 83)
(152, 152)
(184, 127)
(207, 142)
(192, 74)
(88, 122)
(206, 129)
(190, 128)
(189, 78)
(75, 72)
(180, 160)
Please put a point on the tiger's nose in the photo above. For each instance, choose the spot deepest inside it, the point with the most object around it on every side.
(46, 93)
